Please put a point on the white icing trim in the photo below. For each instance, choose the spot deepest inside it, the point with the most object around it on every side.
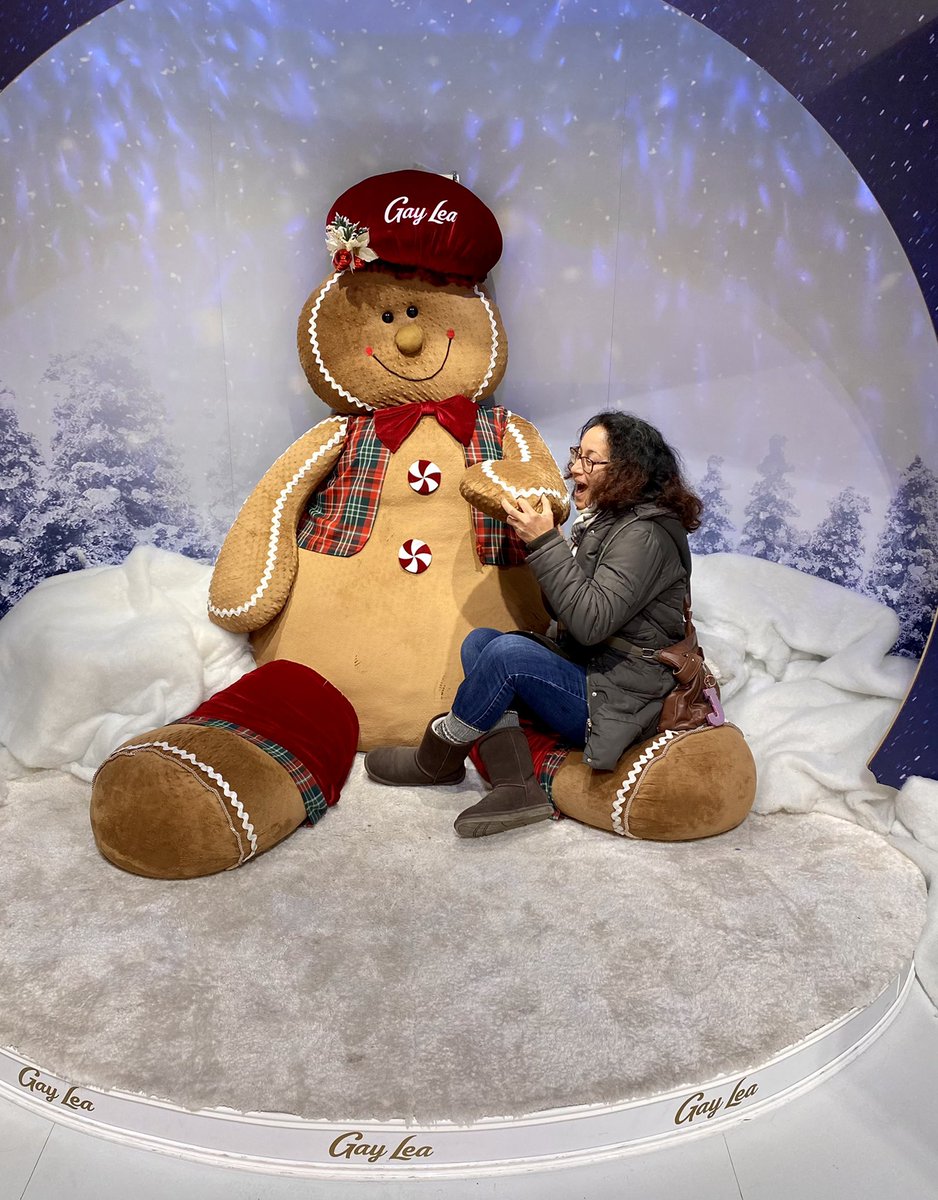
(521, 441)
(275, 519)
(314, 343)
(635, 771)
(493, 358)
(489, 472)
(230, 794)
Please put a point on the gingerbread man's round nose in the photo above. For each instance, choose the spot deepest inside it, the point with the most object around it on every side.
(409, 340)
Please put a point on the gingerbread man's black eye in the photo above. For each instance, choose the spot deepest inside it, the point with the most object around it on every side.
(387, 317)
(412, 310)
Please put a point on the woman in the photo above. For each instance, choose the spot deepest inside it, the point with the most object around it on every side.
(617, 591)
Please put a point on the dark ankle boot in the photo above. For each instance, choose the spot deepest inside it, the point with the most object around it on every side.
(516, 797)
(434, 761)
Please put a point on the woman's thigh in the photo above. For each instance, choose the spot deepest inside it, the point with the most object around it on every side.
(510, 669)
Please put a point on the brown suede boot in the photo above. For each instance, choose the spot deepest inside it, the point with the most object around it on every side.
(434, 761)
(516, 797)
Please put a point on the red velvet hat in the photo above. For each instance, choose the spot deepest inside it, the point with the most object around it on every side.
(414, 219)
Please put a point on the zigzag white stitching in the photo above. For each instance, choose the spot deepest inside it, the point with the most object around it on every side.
(494, 356)
(274, 538)
(230, 793)
(489, 472)
(521, 441)
(314, 342)
(636, 769)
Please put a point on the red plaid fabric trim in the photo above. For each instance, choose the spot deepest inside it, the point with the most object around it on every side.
(313, 799)
(339, 517)
(496, 544)
(547, 770)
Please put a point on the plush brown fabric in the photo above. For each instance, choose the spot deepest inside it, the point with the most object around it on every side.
(691, 785)
(257, 564)
(349, 322)
(386, 638)
(390, 640)
(156, 813)
(527, 471)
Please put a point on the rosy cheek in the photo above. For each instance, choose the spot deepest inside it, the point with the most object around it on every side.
(451, 333)
(369, 351)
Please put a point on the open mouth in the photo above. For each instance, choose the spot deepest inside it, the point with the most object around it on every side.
(415, 378)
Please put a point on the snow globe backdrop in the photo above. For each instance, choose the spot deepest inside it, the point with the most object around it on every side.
(682, 240)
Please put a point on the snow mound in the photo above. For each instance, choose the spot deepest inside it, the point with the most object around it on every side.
(92, 658)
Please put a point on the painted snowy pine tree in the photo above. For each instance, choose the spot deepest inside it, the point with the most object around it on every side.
(904, 573)
(716, 530)
(114, 481)
(835, 550)
(22, 476)
(768, 531)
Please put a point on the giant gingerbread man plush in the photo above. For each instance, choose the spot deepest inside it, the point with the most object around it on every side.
(356, 553)
(356, 558)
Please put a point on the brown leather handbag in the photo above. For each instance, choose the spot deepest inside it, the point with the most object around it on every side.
(695, 698)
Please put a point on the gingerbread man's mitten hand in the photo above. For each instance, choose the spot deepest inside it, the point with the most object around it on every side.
(526, 472)
(256, 567)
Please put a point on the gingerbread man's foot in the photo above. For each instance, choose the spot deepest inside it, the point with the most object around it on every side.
(231, 780)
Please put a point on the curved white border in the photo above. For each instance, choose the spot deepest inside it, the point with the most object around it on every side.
(488, 470)
(314, 343)
(228, 791)
(287, 1145)
(493, 357)
(646, 757)
(524, 450)
(276, 516)
(347, 395)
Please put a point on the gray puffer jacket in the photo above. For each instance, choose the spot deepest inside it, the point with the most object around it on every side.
(628, 579)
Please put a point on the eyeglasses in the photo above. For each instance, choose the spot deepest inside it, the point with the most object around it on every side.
(588, 463)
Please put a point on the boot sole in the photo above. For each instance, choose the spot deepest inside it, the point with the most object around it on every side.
(488, 823)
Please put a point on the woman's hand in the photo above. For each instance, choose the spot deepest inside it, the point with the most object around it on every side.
(528, 522)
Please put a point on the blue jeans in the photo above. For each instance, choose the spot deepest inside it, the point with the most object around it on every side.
(506, 670)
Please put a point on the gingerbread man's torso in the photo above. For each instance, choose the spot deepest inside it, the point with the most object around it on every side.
(387, 637)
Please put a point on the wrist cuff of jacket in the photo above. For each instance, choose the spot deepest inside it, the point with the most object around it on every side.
(542, 540)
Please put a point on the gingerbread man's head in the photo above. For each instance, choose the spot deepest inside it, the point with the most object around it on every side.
(403, 317)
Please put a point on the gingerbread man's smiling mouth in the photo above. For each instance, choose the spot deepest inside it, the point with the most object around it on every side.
(411, 378)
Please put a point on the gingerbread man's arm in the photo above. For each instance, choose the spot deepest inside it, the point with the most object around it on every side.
(256, 567)
(526, 470)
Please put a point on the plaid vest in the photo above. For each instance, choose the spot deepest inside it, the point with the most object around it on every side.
(340, 516)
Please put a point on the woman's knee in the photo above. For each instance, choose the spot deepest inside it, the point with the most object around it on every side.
(473, 645)
(509, 655)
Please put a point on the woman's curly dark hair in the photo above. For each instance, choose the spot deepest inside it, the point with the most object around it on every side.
(643, 468)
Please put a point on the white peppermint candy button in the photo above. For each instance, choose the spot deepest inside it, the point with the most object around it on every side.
(414, 556)
(424, 476)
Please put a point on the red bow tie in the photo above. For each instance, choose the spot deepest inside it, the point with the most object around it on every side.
(457, 415)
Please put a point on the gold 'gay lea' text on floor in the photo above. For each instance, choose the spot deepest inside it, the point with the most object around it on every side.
(353, 1145)
(696, 1106)
(30, 1079)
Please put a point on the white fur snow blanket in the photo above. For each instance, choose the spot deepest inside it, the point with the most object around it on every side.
(805, 672)
(92, 658)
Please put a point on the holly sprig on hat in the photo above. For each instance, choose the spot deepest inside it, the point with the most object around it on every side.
(347, 242)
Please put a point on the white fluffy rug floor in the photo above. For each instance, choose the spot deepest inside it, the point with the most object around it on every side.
(376, 966)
